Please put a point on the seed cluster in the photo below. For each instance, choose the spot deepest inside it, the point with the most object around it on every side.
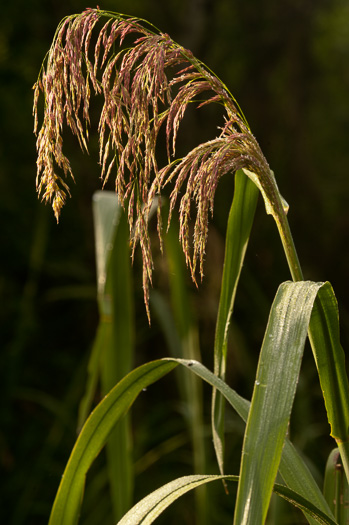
(145, 86)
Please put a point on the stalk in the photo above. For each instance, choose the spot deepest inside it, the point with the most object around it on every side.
(289, 246)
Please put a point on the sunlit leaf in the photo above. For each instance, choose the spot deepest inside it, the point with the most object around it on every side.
(149, 508)
(275, 387)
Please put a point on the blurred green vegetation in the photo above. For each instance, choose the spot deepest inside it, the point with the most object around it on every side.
(287, 65)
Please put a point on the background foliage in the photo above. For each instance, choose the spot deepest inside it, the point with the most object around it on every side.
(287, 65)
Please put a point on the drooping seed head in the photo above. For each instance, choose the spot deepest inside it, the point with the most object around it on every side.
(145, 86)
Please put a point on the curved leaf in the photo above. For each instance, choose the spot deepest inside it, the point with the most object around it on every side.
(93, 437)
(292, 468)
(287, 325)
(304, 504)
(149, 508)
(98, 426)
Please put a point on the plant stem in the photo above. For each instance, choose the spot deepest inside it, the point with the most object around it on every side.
(288, 245)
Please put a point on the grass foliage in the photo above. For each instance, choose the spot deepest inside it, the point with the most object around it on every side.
(146, 82)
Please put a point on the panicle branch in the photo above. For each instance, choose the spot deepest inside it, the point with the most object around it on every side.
(145, 86)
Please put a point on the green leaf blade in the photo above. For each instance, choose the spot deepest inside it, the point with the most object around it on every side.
(272, 399)
(94, 435)
(330, 361)
(292, 468)
(238, 232)
(114, 345)
(149, 508)
(99, 425)
(102, 420)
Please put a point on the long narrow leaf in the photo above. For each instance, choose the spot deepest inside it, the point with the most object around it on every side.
(106, 216)
(112, 352)
(149, 508)
(117, 356)
(330, 362)
(94, 435)
(102, 420)
(292, 468)
(272, 400)
(238, 232)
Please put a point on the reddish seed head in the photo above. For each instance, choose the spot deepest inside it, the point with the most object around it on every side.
(146, 86)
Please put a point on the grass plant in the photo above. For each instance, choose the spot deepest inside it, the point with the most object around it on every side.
(147, 82)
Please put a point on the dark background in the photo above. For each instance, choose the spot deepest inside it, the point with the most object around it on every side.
(287, 65)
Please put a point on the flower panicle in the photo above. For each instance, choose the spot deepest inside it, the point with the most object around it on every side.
(145, 86)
